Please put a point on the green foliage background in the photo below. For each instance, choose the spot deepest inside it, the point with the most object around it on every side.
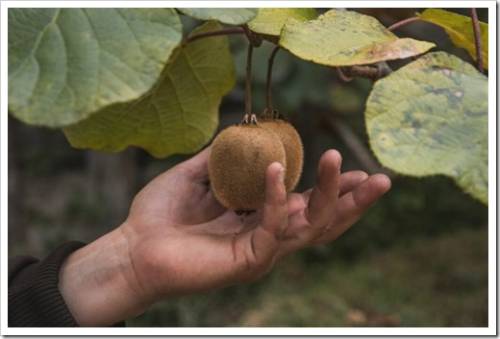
(111, 80)
(418, 258)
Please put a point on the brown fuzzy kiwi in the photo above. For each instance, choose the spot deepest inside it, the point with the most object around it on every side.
(294, 150)
(238, 162)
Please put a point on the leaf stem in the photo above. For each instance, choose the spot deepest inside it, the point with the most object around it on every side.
(403, 23)
(477, 39)
(223, 31)
(269, 94)
(248, 83)
(254, 39)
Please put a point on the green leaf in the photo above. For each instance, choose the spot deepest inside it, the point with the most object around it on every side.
(65, 64)
(230, 16)
(179, 115)
(270, 21)
(431, 117)
(459, 28)
(346, 38)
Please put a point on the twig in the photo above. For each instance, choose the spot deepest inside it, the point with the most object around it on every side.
(248, 83)
(477, 39)
(403, 23)
(356, 146)
(269, 94)
(371, 72)
(365, 72)
(342, 75)
(223, 31)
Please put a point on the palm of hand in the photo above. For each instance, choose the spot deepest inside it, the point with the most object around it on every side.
(181, 240)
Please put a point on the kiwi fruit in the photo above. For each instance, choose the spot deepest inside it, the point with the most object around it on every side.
(294, 150)
(238, 162)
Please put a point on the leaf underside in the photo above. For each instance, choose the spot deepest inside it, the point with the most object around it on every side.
(270, 21)
(179, 115)
(431, 117)
(65, 64)
(346, 38)
(459, 28)
(230, 16)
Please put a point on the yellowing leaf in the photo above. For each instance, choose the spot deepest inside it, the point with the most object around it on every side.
(346, 38)
(179, 115)
(431, 117)
(459, 28)
(230, 16)
(270, 21)
(67, 63)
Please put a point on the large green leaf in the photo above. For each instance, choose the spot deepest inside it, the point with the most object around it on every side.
(65, 64)
(346, 38)
(270, 21)
(230, 16)
(431, 117)
(459, 28)
(179, 115)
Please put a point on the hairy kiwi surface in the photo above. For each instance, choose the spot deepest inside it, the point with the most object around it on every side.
(238, 162)
(294, 150)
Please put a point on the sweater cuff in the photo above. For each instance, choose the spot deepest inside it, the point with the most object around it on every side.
(36, 300)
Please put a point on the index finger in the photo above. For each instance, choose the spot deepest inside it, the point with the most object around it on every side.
(354, 204)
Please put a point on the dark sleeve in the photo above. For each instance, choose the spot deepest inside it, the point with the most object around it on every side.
(34, 297)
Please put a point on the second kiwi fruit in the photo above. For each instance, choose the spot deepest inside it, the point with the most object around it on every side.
(294, 150)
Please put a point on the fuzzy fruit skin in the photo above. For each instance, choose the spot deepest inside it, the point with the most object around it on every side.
(238, 162)
(294, 150)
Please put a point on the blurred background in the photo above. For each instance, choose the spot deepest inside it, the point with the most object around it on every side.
(418, 258)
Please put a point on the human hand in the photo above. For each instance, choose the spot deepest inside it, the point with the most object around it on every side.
(178, 239)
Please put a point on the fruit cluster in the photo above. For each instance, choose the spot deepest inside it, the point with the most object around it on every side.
(241, 154)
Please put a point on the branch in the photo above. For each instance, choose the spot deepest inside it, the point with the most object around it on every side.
(477, 39)
(374, 73)
(365, 71)
(403, 23)
(223, 31)
(342, 75)
(355, 145)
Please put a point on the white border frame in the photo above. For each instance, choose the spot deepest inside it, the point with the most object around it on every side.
(295, 331)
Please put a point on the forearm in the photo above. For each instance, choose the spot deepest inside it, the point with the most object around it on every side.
(98, 284)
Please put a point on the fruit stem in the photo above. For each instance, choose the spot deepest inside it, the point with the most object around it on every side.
(477, 39)
(248, 84)
(269, 94)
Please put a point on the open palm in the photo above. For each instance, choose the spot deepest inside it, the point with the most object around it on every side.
(181, 240)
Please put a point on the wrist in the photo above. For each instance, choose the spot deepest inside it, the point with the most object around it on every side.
(98, 282)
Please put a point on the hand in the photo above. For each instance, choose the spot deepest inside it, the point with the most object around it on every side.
(178, 239)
